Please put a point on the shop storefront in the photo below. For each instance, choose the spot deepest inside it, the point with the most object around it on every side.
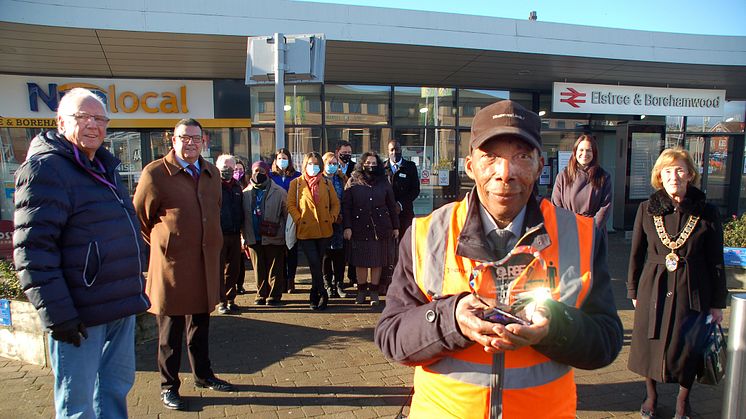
(143, 114)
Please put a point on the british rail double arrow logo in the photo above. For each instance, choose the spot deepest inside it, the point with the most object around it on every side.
(571, 97)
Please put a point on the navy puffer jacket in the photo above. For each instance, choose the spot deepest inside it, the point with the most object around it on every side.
(77, 244)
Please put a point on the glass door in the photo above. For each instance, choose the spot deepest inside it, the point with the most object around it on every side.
(433, 152)
(713, 156)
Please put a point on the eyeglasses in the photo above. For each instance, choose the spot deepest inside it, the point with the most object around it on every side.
(195, 139)
(83, 116)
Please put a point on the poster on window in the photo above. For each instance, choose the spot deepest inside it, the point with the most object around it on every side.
(546, 175)
(563, 157)
(645, 150)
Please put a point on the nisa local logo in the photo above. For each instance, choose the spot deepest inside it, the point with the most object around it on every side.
(125, 102)
(572, 97)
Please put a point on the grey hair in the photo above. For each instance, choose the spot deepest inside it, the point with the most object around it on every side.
(224, 158)
(73, 95)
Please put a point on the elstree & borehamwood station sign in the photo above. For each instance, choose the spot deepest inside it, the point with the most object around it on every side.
(636, 100)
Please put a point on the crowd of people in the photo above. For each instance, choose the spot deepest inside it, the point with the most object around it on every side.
(494, 298)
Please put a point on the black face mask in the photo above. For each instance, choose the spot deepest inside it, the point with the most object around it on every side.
(226, 174)
(370, 169)
(259, 178)
(345, 158)
(397, 157)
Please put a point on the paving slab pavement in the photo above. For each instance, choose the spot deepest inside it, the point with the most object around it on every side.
(292, 362)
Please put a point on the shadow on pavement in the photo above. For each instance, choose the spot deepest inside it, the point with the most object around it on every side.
(241, 345)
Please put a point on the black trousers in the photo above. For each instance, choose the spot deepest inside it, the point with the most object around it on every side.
(291, 261)
(230, 261)
(334, 267)
(314, 250)
(170, 334)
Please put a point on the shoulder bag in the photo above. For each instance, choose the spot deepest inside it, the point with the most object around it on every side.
(290, 230)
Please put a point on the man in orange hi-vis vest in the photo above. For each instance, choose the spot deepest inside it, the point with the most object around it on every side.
(497, 248)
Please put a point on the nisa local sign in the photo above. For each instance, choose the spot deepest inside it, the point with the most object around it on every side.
(636, 100)
(38, 97)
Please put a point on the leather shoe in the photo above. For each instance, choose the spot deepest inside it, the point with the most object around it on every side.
(172, 400)
(215, 383)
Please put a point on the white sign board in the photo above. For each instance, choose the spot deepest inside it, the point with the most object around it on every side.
(443, 177)
(546, 175)
(38, 97)
(563, 158)
(636, 100)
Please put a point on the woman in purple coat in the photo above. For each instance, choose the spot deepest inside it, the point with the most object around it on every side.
(371, 223)
(584, 187)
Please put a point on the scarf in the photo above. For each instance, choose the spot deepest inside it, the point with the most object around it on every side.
(313, 185)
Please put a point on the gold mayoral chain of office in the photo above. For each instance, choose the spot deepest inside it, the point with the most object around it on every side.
(672, 259)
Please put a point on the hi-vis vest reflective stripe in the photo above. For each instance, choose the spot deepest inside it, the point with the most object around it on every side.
(519, 384)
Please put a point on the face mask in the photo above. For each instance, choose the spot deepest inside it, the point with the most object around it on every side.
(312, 169)
(331, 169)
(370, 169)
(397, 157)
(226, 174)
(282, 163)
(237, 174)
(345, 158)
(259, 178)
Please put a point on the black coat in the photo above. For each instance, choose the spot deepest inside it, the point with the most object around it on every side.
(369, 209)
(671, 306)
(78, 249)
(231, 210)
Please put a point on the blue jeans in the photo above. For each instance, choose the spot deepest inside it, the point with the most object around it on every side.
(92, 381)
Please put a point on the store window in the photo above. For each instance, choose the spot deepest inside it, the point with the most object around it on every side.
(361, 139)
(302, 104)
(299, 140)
(731, 122)
(14, 144)
(424, 106)
(354, 104)
(126, 146)
(470, 101)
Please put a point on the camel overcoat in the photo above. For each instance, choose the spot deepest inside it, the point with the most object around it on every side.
(672, 306)
(180, 220)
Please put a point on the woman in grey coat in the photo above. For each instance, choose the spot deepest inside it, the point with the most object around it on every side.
(676, 279)
(583, 187)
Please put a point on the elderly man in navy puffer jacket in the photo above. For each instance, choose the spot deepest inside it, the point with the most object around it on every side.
(78, 252)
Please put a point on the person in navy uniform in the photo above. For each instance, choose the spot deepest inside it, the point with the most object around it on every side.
(403, 177)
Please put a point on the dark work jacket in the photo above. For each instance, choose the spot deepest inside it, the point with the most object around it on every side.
(406, 185)
(231, 212)
(589, 337)
(77, 244)
(369, 209)
(670, 304)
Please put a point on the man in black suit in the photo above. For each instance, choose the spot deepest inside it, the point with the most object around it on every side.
(346, 166)
(403, 177)
(344, 155)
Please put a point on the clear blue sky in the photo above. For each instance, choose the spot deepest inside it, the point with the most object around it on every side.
(707, 17)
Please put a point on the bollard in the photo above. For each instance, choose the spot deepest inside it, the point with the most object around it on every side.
(734, 402)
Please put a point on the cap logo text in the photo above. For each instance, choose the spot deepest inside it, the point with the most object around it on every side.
(508, 115)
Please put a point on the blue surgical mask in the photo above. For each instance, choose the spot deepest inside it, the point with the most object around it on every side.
(282, 163)
(331, 169)
(313, 169)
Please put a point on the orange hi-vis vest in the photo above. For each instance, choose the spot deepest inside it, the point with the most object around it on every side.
(472, 383)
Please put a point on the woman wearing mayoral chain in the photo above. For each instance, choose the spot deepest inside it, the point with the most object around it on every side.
(676, 279)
